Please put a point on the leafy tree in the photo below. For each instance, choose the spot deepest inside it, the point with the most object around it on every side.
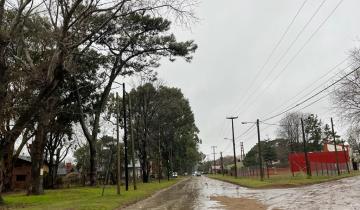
(136, 43)
(327, 133)
(59, 142)
(313, 131)
(268, 154)
(162, 115)
(105, 147)
(41, 48)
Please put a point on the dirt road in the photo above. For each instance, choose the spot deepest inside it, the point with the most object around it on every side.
(203, 193)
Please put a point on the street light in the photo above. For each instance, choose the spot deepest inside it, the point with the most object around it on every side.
(244, 123)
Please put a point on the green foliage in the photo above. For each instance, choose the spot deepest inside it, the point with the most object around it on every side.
(105, 147)
(313, 132)
(280, 181)
(164, 113)
(268, 153)
(84, 198)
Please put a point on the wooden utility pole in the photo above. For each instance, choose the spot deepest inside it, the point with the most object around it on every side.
(132, 144)
(233, 139)
(308, 170)
(118, 163)
(107, 173)
(259, 151)
(125, 140)
(159, 160)
(222, 163)
(336, 153)
(213, 148)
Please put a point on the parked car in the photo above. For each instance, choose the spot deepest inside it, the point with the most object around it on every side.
(174, 175)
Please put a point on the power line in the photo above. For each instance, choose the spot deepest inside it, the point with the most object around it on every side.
(303, 46)
(247, 131)
(273, 51)
(311, 97)
(288, 48)
(315, 82)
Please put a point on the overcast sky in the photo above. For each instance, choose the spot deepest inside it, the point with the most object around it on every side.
(235, 39)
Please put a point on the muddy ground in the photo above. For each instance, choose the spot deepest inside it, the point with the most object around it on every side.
(203, 193)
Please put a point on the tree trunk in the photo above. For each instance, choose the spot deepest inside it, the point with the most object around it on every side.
(145, 174)
(93, 163)
(50, 179)
(37, 162)
(2, 169)
(3, 69)
(145, 164)
(8, 167)
(37, 150)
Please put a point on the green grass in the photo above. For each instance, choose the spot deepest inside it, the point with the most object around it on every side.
(280, 181)
(84, 198)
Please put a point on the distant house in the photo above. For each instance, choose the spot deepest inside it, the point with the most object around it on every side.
(22, 172)
(215, 169)
(66, 168)
(137, 169)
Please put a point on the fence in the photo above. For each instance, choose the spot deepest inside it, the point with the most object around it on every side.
(321, 163)
(254, 171)
(327, 169)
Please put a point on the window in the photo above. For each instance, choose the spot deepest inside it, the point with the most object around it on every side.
(20, 178)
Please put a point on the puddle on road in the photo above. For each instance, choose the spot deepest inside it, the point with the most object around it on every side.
(239, 203)
(196, 193)
(337, 195)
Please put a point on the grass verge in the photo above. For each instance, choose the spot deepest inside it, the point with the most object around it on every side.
(280, 181)
(85, 198)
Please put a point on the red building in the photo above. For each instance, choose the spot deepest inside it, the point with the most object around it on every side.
(21, 177)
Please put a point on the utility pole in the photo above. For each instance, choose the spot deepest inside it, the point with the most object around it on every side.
(125, 140)
(308, 171)
(159, 161)
(132, 144)
(107, 172)
(233, 138)
(222, 163)
(336, 154)
(213, 148)
(118, 164)
(242, 152)
(259, 151)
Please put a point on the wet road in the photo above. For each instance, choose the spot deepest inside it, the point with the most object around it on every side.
(195, 193)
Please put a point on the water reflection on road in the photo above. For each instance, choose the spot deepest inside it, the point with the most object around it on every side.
(195, 193)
